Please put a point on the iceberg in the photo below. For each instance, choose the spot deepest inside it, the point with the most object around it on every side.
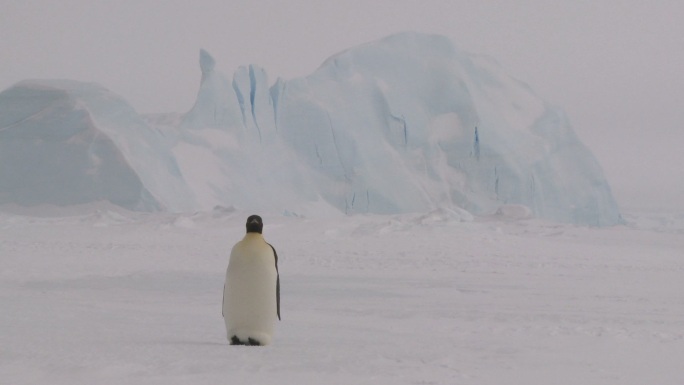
(408, 123)
(411, 123)
(64, 142)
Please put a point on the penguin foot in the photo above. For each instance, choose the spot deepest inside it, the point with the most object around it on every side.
(250, 341)
(236, 341)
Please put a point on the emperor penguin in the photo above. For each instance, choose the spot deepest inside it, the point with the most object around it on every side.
(251, 294)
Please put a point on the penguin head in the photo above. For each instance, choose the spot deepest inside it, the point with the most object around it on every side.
(254, 224)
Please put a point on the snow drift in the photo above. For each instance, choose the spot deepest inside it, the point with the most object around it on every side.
(405, 124)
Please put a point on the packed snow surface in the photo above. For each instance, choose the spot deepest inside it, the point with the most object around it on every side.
(409, 123)
(106, 296)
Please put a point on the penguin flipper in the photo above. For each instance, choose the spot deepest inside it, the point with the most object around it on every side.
(275, 255)
(278, 295)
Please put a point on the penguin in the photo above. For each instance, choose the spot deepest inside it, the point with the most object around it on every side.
(251, 294)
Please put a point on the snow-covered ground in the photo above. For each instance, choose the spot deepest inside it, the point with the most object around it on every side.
(104, 296)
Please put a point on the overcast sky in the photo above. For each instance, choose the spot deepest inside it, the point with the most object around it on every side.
(616, 67)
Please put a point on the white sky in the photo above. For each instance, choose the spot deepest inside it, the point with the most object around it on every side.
(616, 67)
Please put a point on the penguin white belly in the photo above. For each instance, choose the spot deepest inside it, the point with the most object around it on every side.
(249, 304)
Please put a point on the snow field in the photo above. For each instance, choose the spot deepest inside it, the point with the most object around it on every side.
(108, 296)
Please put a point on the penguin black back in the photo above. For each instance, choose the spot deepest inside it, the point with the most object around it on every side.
(256, 225)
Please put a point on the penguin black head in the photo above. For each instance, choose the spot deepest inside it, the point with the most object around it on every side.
(254, 224)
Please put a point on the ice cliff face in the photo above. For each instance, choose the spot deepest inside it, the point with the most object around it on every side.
(408, 123)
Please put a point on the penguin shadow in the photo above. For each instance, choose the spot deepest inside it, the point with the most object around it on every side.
(191, 343)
